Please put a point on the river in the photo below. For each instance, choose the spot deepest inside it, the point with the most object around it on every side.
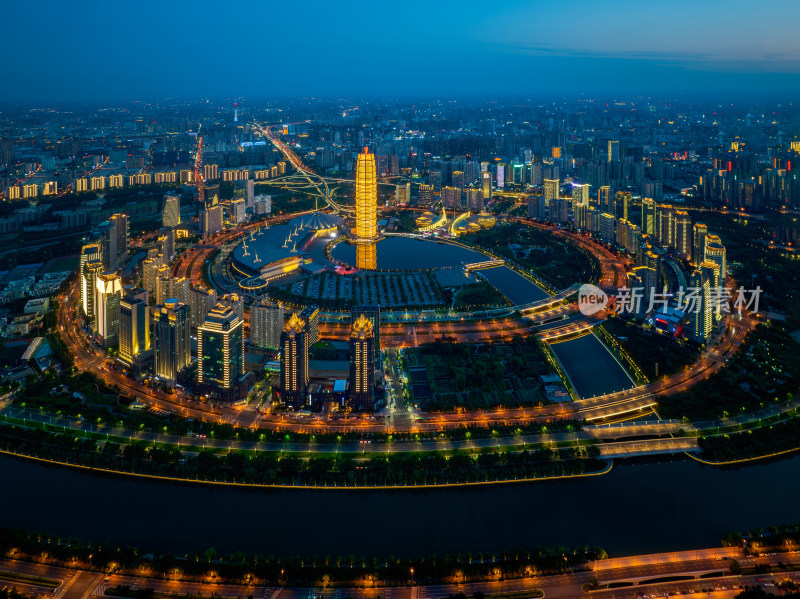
(636, 508)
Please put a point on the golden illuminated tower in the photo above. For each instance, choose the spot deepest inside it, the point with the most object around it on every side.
(361, 395)
(366, 197)
(366, 211)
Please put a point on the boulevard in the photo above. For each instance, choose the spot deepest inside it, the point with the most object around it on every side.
(706, 573)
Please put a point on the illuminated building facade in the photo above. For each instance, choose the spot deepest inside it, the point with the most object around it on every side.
(373, 314)
(108, 293)
(366, 197)
(171, 215)
(171, 326)
(683, 233)
(220, 352)
(134, 328)
(361, 395)
(700, 315)
(715, 252)
(294, 362)
(366, 229)
(266, 324)
(91, 252)
(700, 231)
(580, 194)
(648, 216)
(551, 189)
(310, 316)
(93, 269)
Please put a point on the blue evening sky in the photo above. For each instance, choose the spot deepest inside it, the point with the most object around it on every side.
(79, 50)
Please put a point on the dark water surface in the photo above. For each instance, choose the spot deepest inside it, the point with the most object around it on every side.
(513, 285)
(637, 507)
(591, 367)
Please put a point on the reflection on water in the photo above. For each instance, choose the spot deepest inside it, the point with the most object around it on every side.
(366, 255)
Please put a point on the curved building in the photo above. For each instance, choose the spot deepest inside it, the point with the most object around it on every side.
(269, 252)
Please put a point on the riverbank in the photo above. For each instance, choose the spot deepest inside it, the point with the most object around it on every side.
(596, 470)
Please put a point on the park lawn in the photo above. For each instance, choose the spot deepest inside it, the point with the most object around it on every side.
(479, 294)
(481, 375)
(650, 349)
(555, 260)
(766, 369)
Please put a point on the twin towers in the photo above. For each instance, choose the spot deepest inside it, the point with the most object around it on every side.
(366, 229)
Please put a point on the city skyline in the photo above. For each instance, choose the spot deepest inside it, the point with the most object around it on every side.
(523, 273)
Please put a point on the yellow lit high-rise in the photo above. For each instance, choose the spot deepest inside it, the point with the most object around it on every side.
(366, 211)
(366, 197)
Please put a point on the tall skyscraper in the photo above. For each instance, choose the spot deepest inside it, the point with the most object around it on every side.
(500, 176)
(91, 252)
(361, 395)
(201, 300)
(486, 184)
(665, 225)
(220, 352)
(366, 197)
(715, 252)
(580, 194)
(108, 293)
(114, 240)
(171, 214)
(266, 324)
(683, 233)
(171, 326)
(373, 314)
(622, 204)
(166, 242)
(607, 227)
(701, 317)
(294, 362)
(700, 231)
(310, 316)
(366, 229)
(551, 189)
(648, 216)
(134, 328)
(211, 217)
(711, 272)
(537, 207)
(613, 151)
(604, 199)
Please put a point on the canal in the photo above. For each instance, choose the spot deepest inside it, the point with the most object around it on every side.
(636, 508)
(591, 367)
(513, 285)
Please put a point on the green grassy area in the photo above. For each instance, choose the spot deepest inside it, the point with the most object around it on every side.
(479, 375)
(555, 260)
(765, 370)
(656, 354)
(270, 468)
(479, 294)
(763, 441)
